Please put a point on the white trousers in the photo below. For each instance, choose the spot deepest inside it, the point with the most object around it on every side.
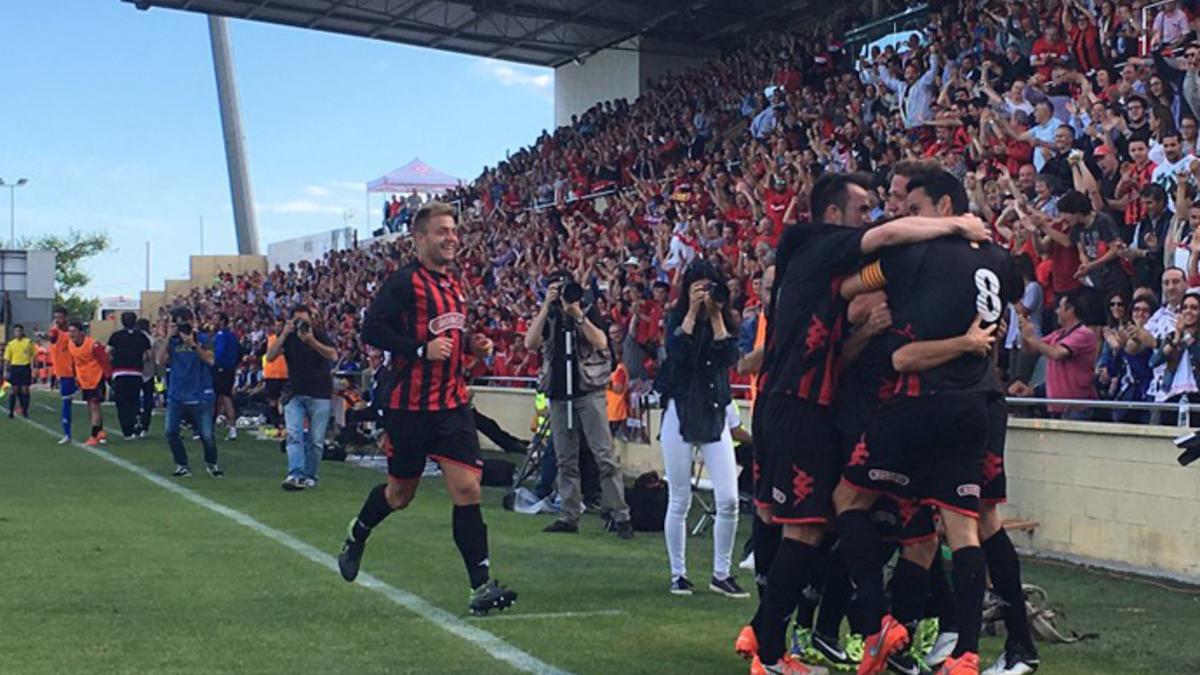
(722, 471)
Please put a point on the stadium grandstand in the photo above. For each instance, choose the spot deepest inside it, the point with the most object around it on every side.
(698, 131)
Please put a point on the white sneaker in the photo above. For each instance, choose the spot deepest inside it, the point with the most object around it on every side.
(943, 646)
(310, 483)
(232, 435)
(220, 420)
(748, 563)
(64, 440)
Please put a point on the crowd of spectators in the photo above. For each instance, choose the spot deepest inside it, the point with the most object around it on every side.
(1073, 126)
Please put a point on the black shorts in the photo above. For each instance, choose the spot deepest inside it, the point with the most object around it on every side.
(994, 488)
(223, 381)
(803, 458)
(929, 449)
(760, 464)
(275, 389)
(447, 436)
(20, 376)
(886, 512)
(96, 394)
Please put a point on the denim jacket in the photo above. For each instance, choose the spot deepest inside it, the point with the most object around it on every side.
(696, 376)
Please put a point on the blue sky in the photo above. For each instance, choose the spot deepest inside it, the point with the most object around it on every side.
(112, 114)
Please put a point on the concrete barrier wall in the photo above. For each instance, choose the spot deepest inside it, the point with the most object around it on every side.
(1109, 494)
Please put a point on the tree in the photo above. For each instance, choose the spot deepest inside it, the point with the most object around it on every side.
(70, 251)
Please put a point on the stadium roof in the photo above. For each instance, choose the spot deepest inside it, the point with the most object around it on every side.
(538, 32)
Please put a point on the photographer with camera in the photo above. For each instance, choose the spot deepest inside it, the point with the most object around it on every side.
(308, 396)
(189, 356)
(576, 367)
(694, 385)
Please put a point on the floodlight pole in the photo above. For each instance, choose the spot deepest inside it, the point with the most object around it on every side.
(12, 209)
(244, 221)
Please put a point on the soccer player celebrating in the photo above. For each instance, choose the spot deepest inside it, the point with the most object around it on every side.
(420, 317)
(799, 379)
(64, 369)
(940, 293)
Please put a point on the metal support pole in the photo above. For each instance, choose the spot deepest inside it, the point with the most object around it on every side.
(147, 266)
(244, 221)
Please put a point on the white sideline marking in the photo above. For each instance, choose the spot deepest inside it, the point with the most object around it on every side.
(553, 615)
(494, 646)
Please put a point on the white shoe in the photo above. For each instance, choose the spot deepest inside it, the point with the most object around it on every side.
(748, 563)
(64, 440)
(232, 435)
(220, 420)
(310, 483)
(943, 646)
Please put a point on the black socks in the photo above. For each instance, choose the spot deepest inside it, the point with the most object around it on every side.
(470, 535)
(910, 590)
(790, 573)
(970, 580)
(941, 598)
(373, 511)
(766, 543)
(860, 548)
(835, 599)
(96, 430)
(1005, 568)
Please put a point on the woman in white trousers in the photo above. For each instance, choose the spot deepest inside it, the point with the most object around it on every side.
(694, 382)
(721, 465)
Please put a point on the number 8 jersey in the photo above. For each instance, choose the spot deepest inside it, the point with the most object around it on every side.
(935, 290)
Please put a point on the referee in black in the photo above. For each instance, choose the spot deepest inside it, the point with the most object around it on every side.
(420, 317)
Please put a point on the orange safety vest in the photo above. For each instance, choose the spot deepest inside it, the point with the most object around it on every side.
(60, 353)
(277, 369)
(618, 404)
(88, 369)
(760, 339)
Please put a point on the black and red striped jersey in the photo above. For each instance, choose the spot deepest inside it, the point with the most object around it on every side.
(415, 306)
(808, 316)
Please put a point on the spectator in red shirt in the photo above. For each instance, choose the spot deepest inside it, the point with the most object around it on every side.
(1049, 51)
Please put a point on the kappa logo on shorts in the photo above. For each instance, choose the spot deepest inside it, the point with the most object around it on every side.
(993, 464)
(778, 495)
(968, 490)
(449, 321)
(888, 476)
(802, 486)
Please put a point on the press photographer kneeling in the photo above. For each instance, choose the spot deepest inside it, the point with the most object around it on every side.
(694, 385)
(576, 365)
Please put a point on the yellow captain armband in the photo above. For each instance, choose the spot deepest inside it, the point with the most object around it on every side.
(872, 276)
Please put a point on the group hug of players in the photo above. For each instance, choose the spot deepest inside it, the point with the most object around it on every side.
(880, 419)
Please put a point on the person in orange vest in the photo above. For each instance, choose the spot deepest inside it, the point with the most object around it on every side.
(63, 368)
(90, 359)
(617, 396)
(275, 373)
(43, 364)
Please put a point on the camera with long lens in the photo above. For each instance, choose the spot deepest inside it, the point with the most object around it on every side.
(571, 293)
(719, 292)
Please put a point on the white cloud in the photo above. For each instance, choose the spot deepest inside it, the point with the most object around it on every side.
(509, 75)
(301, 206)
(356, 186)
(316, 191)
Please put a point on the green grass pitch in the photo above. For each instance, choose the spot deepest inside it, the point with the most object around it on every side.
(107, 572)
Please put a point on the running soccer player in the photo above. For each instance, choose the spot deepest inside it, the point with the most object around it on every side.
(939, 291)
(18, 359)
(64, 368)
(799, 379)
(420, 317)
